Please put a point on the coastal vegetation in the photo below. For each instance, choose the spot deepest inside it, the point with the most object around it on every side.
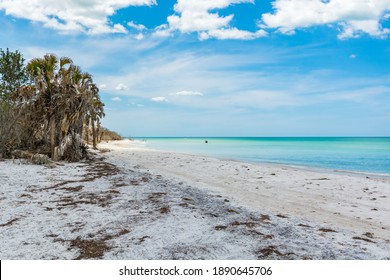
(48, 106)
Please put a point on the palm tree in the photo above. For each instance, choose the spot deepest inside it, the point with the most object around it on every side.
(47, 82)
(61, 99)
(96, 113)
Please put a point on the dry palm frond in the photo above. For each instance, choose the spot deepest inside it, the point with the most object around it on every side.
(54, 108)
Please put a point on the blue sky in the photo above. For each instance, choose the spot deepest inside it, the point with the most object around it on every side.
(222, 67)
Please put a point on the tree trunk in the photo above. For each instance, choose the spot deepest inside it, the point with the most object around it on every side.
(98, 132)
(94, 135)
(81, 129)
(87, 133)
(52, 138)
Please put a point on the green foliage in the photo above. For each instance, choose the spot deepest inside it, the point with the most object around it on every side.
(57, 104)
(108, 135)
(12, 73)
(45, 106)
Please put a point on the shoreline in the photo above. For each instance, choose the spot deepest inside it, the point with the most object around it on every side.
(128, 202)
(379, 175)
(295, 184)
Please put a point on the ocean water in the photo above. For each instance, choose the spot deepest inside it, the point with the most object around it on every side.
(367, 155)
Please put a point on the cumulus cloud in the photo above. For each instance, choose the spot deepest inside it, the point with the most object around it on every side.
(197, 16)
(162, 31)
(187, 93)
(159, 99)
(353, 17)
(89, 16)
(121, 87)
(232, 33)
(103, 86)
(139, 36)
(116, 99)
(139, 27)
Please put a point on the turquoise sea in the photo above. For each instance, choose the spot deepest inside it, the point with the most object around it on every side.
(357, 154)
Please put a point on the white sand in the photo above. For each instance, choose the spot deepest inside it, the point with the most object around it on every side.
(142, 204)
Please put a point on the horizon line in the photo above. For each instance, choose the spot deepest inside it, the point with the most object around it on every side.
(256, 136)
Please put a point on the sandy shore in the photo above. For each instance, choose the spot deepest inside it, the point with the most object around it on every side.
(133, 203)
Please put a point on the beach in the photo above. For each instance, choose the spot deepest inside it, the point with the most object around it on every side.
(128, 202)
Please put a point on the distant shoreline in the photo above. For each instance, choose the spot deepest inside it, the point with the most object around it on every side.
(248, 137)
(277, 164)
(355, 155)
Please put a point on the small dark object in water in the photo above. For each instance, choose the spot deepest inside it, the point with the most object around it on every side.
(206, 141)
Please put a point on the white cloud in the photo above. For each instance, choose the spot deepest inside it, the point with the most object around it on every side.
(103, 86)
(162, 31)
(89, 16)
(139, 27)
(116, 99)
(232, 33)
(139, 36)
(353, 56)
(353, 16)
(159, 99)
(121, 87)
(197, 16)
(187, 93)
